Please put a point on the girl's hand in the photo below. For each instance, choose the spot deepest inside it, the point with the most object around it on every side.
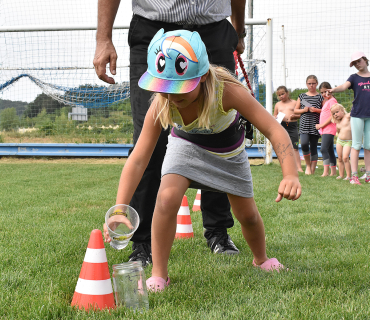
(318, 126)
(306, 109)
(106, 233)
(289, 188)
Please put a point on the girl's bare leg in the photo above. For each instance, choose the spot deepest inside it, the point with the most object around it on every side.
(340, 160)
(326, 171)
(313, 166)
(245, 210)
(170, 194)
(347, 163)
(354, 159)
(307, 159)
(333, 170)
(298, 160)
(367, 159)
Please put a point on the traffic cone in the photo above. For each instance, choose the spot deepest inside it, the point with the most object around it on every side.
(184, 228)
(196, 205)
(94, 287)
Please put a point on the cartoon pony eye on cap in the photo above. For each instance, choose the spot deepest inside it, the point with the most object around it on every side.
(176, 62)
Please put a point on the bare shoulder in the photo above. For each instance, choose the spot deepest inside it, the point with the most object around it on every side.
(234, 95)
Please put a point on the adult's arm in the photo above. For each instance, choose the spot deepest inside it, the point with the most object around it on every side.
(238, 21)
(105, 53)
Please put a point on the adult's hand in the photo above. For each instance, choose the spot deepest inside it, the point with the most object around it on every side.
(105, 53)
(241, 46)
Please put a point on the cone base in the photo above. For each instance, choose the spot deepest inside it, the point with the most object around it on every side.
(87, 302)
(184, 235)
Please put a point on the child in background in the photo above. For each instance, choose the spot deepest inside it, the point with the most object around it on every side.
(344, 139)
(309, 106)
(289, 122)
(206, 147)
(360, 113)
(327, 129)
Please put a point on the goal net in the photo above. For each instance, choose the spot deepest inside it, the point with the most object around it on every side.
(49, 91)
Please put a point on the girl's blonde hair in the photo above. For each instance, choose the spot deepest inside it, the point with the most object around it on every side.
(340, 107)
(216, 75)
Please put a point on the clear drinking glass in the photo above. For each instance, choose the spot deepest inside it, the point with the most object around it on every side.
(130, 285)
(122, 222)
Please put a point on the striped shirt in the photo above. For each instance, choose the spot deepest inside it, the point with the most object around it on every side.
(308, 120)
(183, 12)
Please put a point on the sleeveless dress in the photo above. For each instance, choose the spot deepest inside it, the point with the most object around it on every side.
(223, 172)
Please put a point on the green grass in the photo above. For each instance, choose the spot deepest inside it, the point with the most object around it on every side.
(48, 209)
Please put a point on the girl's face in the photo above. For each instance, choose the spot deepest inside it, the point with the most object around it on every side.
(337, 113)
(183, 100)
(325, 93)
(311, 85)
(360, 64)
(282, 95)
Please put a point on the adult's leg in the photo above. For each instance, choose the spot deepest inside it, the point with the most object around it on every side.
(215, 206)
(143, 200)
(170, 194)
(305, 145)
(313, 146)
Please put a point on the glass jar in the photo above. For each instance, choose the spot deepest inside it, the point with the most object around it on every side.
(130, 285)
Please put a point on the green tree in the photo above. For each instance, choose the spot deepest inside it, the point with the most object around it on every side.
(9, 119)
(41, 102)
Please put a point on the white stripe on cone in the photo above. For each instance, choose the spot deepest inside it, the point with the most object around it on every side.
(184, 211)
(95, 255)
(94, 287)
(184, 228)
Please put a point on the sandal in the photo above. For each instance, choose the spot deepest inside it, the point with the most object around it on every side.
(156, 284)
(272, 264)
(339, 177)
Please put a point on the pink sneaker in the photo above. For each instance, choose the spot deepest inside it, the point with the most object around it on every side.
(354, 180)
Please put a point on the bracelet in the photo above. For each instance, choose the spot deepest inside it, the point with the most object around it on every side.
(118, 212)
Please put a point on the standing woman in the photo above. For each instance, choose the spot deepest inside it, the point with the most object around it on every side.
(309, 106)
(360, 114)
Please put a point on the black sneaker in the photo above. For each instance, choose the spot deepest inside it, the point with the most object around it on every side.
(220, 242)
(142, 252)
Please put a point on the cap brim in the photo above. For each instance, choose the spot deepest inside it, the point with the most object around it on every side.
(150, 83)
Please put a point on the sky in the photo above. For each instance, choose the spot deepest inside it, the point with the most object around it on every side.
(320, 37)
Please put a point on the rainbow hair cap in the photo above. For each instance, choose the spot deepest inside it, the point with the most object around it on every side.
(176, 62)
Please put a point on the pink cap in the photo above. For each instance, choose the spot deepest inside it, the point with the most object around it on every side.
(355, 56)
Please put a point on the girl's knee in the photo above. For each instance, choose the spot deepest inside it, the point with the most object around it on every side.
(346, 159)
(168, 199)
(249, 217)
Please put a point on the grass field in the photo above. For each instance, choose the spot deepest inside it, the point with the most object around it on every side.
(48, 209)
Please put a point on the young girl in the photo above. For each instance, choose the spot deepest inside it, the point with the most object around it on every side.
(344, 140)
(327, 130)
(309, 106)
(289, 122)
(206, 147)
(360, 113)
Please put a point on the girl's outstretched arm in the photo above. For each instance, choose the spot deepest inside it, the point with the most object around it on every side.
(237, 97)
(139, 158)
(340, 88)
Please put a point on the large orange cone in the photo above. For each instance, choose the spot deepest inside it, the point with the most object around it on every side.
(184, 228)
(196, 205)
(94, 287)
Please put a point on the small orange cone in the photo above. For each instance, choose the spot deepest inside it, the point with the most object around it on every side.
(184, 228)
(196, 205)
(94, 287)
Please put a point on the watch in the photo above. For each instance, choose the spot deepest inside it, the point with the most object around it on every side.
(242, 35)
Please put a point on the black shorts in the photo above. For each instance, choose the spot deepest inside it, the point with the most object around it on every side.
(292, 129)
